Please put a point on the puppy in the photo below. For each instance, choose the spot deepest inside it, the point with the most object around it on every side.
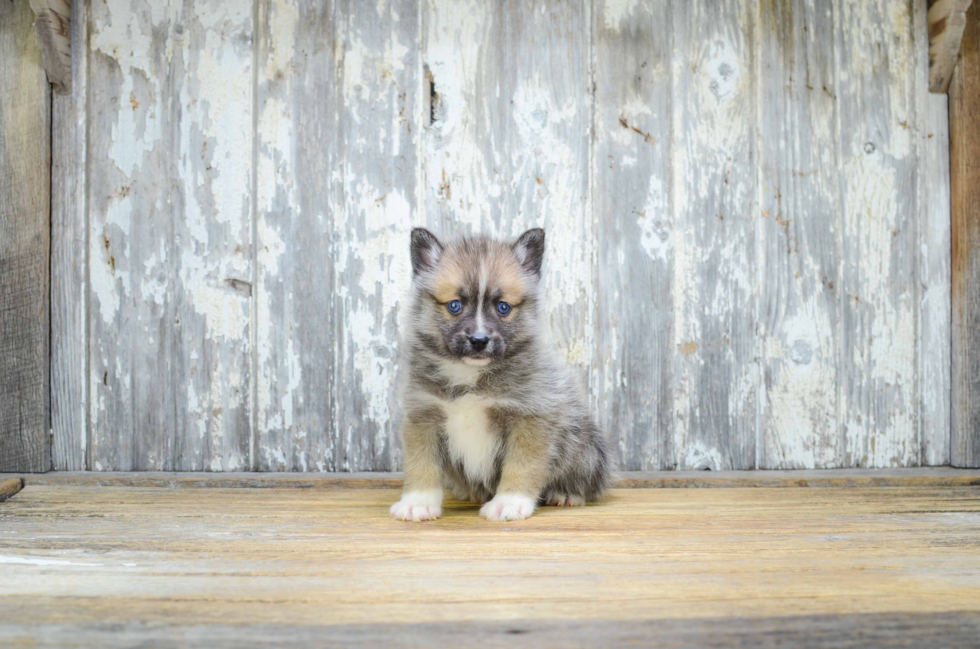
(490, 410)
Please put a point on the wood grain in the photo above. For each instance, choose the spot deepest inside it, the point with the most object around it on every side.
(927, 477)
(299, 199)
(52, 23)
(850, 631)
(947, 21)
(169, 236)
(211, 214)
(133, 137)
(934, 319)
(25, 192)
(716, 270)
(632, 385)
(381, 131)
(879, 389)
(337, 172)
(149, 563)
(800, 203)
(69, 260)
(964, 143)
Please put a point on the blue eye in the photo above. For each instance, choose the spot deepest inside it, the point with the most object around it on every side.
(503, 308)
(454, 307)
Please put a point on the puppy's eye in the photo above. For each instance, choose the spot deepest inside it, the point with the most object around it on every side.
(503, 308)
(454, 307)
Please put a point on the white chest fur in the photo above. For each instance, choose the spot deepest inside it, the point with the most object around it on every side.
(470, 439)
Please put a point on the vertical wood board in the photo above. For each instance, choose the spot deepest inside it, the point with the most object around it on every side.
(634, 354)
(212, 215)
(716, 212)
(298, 192)
(69, 262)
(879, 292)
(934, 304)
(25, 186)
(799, 215)
(132, 134)
(964, 150)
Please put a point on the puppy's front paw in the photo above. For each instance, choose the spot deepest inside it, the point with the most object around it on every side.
(508, 507)
(418, 506)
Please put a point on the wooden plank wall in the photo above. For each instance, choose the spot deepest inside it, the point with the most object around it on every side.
(25, 166)
(747, 207)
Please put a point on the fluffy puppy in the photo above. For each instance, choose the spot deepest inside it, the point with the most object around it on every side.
(490, 410)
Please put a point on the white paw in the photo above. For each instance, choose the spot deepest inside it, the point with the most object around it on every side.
(564, 500)
(418, 506)
(508, 507)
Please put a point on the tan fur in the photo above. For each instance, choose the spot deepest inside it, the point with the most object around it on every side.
(504, 273)
(525, 467)
(422, 464)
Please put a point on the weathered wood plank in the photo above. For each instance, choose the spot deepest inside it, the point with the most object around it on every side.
(633, 386)
(133, 138)
(380, 130)
(69, 260)
(169, 236)
(154, 562)
(905, 630)
(298, 198)
(879, 292)
(933, 335)
(507, 146)
(716, 233)
(211, 206)
(946, 22)
(800, 226)
(825, 478)
(25, 186)
(54, 34)
(964, 155)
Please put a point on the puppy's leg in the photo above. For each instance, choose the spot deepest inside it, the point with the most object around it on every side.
(523, 475)
(422, 495)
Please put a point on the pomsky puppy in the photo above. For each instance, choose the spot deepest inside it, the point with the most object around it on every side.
(489, 409)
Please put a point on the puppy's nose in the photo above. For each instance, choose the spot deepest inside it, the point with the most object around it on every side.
(479, 341)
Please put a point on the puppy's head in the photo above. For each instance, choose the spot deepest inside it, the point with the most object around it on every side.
(477, 297)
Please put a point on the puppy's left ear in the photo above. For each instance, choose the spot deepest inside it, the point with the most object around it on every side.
(529, 249)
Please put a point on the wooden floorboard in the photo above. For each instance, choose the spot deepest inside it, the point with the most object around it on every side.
(92, 566)
(913, 477)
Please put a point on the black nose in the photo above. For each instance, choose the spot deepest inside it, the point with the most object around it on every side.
(479, 342)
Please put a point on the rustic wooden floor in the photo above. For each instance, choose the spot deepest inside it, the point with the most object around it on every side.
(86, 565)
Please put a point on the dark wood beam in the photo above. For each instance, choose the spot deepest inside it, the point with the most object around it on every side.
(964, 170)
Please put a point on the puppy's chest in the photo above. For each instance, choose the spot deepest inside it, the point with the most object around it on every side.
(470, 437)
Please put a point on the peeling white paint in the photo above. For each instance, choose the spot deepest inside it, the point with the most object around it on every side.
(508, 149)
(615, 12)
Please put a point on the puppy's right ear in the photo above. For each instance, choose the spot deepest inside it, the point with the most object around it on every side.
(426, 250)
